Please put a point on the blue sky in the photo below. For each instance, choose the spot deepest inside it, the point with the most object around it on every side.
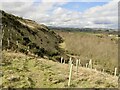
(82, 6)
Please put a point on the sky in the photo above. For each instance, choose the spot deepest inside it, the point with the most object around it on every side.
(66, 13)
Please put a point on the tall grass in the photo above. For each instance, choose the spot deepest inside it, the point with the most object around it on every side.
(101, 48)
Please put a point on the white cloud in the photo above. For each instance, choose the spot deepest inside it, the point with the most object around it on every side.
(16, 1)
(51, 12)
(106, 15)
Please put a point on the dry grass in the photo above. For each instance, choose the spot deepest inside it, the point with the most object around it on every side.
(42, 73)
(99, 47)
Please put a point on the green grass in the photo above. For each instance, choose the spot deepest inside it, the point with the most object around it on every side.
(42, 73)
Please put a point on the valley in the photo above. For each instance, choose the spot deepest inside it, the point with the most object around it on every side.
(32, 54)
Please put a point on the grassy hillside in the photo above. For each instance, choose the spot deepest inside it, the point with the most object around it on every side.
(29, 50)
(101, 48)
(27, 36)
(21, 71)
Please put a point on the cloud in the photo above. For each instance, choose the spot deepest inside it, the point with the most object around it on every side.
(16, 1)
(106, 15)
(51, 12)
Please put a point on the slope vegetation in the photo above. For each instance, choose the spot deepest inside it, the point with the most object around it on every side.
(101, 48)
(21, 71)
(27, 36)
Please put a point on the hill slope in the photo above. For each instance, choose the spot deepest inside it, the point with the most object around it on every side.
(27, 36)
(101, 48)
(22, 72)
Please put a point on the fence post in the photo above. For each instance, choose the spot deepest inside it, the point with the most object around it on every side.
(79, 62)
(61, 59)
(86, 65)
(90, 63)
(17, 43)
(70, 59)
(70, 62)
(77, 66)
(70, 74)
(8, 42)
(115, 73)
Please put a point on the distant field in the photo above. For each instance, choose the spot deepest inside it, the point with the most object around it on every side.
(102, 48)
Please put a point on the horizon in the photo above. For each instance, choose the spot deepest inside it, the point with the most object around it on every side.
(66, 13)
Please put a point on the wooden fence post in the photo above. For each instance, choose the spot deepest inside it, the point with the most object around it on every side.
(70, 61)
(77, 66)
(86, 65)
(90, 63)
(79, 62)
(70, 74)
(17, 43)
(115, 73)
(61, 59)
(8, 42)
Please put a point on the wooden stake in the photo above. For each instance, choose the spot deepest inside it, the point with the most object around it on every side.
(77, 66)
(70, 62)
(61, 59)
(17, 43)
(70, 74)
(86, 65)
(79, 62)
(70, 59)
(8, 42)
(90, 63)
(115, 73)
